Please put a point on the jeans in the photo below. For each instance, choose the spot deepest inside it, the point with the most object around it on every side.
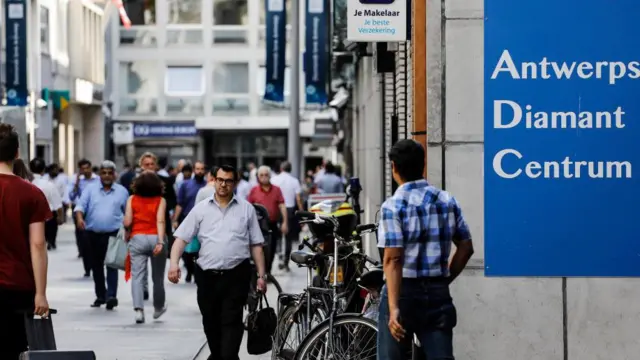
(426, 310)
(221, 298)
(97, 244)
(141, 249)
(13, 334)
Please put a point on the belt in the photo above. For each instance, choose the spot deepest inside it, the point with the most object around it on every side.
(428, 280)
(223, 271)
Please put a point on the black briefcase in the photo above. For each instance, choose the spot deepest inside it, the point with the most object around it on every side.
(57, 355)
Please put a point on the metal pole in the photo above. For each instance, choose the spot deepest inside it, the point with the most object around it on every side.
(294, 147)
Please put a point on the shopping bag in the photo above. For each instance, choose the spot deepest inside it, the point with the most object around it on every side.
(193, 247)
(117, 251)
(58, 355)
(261, 325)
(40, 334)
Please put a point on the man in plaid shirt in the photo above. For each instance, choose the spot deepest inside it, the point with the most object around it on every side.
(418, 226)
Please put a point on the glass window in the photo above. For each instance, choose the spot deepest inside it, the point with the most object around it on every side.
(262, 80)
(185, 11)
(140, 12)
(44, 28)
(184, 81)
(139, 78)
(263, 11)
(230, 12)
(231, 78)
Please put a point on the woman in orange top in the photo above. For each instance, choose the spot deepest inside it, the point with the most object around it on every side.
(145, 220)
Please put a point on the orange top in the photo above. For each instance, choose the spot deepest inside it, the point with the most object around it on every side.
(145, 215)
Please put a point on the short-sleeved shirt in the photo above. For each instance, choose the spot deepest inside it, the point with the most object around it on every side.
(49, 190)
(21, 204)
(290, 187)
(187, 194)
(205, 193)
(225, 234)
(103, 209)
(271, 199)
(424, 221)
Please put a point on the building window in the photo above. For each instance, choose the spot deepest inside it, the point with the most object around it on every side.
(230, 12)
(139, 78)
(184, 81)
(231, 78)
(185, 11)
(44, 28)
(263, 11)
(140, 12)
(262, 80)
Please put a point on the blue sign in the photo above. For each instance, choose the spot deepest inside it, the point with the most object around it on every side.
(562, 80)
(15, 14)
(316, 55)
(155, 130)
(276, 40)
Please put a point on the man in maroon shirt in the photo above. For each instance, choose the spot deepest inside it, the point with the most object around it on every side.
(23, 250)
(270, 196)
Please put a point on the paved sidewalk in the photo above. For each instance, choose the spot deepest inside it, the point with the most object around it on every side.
(113, 335)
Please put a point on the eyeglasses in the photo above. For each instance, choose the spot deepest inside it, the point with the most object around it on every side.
(227, 182)
(103, 172)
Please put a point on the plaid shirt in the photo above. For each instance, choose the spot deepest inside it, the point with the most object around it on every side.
(424, 221)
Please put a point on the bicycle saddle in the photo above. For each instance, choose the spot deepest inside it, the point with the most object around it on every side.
(372, 279)
(302, 257)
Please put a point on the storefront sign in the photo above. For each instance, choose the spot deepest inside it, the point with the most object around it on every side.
(16, 52)
(561, 132)
(276, 39)
(316, 56)
(378, 20)
(155, 130)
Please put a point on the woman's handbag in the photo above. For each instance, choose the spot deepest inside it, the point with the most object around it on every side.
(193, 247)
(117, 251)
(261, 325)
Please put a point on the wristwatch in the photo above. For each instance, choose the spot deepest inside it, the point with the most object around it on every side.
(263, 277)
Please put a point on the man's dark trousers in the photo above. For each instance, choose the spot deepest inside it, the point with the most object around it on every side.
(13, 335)
(292, 235)
(426, 309)
(276, 237)
(51, 230)
(221, 298)
(97, 245)
(81, 243)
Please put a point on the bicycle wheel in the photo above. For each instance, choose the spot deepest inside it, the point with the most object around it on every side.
(272, 280)
(352, 337)
(292, 328)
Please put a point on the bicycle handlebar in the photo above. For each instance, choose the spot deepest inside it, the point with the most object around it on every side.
(319, 218)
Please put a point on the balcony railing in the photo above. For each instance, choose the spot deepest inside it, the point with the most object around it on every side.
(230, 34)
(231, 104)
(185, 105)
(138, 105)
(142, 36)
(185, 35)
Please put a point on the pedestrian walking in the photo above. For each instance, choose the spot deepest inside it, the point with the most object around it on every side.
(228, 230)
(210, 189)
(291, 192)
(270, 196)
(418, 226)
(60, 180)
(145, 220)
(23, 252)
(83, 178)
(20, 170)
(243, 187)
(99, 213)
(186, 201)
(37, 167)
(328, 182)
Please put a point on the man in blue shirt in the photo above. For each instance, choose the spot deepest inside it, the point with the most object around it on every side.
(99, 213)
(418, 226)
(83, 178)
(187, 194)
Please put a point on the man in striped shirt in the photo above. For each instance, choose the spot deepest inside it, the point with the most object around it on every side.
(418, 226)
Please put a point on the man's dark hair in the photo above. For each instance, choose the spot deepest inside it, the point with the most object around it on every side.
(187, 167)
(407, 156)
(329, 168)
(37, 166)
(9, 143)
(52, 167)
(286, 166)
(84, 162)
(162, 162)
(148, 184)
(20, 170)
(226, 168)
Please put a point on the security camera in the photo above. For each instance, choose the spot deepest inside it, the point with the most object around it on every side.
(41, 104)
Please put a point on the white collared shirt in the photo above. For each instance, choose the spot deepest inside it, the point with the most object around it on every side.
(49, 190)
(290, 187)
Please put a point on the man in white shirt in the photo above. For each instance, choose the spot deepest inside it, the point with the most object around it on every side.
(291, 191)
(37, 167)
(244, 187)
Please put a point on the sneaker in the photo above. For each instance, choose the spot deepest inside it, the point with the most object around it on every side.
(139, 317)
(158, 312)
